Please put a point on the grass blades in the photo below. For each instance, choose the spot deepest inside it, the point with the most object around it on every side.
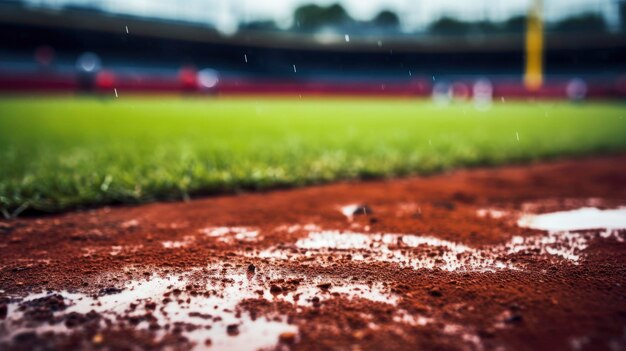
(62, 153)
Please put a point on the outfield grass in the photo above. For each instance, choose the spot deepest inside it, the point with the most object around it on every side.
(60, 153)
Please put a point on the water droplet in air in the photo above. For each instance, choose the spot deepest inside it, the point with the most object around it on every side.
(347, 37)
(294, 69)
(115, 90)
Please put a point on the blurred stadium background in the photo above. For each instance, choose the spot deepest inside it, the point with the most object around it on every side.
(229, 47)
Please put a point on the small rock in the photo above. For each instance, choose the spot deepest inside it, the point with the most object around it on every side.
(232, 329)
(362, 210)
(275, 289)
(324, 286)
(287, 338)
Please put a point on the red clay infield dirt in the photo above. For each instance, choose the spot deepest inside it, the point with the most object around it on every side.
(448, 262)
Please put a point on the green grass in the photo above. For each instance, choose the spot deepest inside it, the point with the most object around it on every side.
(60, 153)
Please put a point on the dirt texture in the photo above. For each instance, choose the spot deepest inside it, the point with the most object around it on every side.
(432, 263)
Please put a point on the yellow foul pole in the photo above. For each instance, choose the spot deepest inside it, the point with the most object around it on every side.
(533, 75)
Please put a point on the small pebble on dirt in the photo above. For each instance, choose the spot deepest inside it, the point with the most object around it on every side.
(324, 286)
(110, 291)
(232, 329)
(362, 210)
(287, 338)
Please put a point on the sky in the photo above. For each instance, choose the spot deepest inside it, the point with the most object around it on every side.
(414, 14)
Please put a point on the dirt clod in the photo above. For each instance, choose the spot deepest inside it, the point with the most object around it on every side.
(324, 286)
(232, 329)
(288, 338)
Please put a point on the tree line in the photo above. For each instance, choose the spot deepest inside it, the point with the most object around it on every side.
(313, 18)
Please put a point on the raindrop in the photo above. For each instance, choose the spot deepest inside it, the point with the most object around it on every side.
(245, 57)
(126, 29)
(347, 37)
(294, 69)
(115, 90)
(409, 73)
(380, 43)
(502, 99)
(517, 135)
(433, 78)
